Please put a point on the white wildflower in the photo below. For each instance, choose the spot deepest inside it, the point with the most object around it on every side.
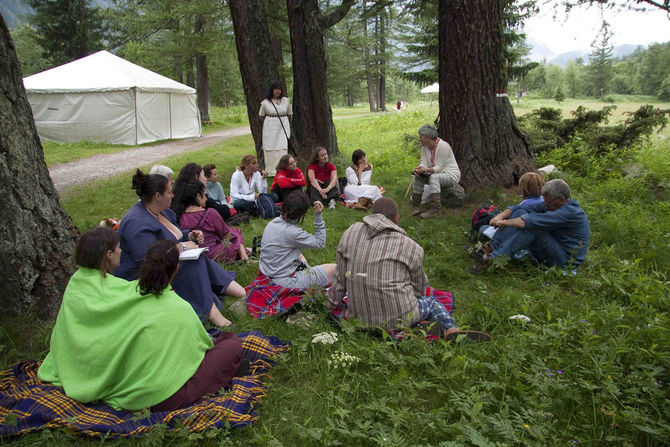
(342, 360)
(325, 338)
(523, 318)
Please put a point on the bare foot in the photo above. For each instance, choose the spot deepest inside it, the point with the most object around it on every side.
(217, 319)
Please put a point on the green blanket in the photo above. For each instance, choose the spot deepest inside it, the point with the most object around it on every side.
(114, 345)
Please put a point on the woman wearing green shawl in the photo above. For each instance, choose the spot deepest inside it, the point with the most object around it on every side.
(133, 345)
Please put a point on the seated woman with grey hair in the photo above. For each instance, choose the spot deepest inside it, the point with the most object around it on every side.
(437, 169)
(162, 170)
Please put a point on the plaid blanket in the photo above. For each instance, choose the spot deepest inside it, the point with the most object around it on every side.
(28, 404)
(266, 299)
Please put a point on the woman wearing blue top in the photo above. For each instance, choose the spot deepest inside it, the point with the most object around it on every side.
(199, 282)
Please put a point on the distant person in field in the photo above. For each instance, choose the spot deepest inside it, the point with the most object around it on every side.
(556, 232)
(437, 169)
(380, 269)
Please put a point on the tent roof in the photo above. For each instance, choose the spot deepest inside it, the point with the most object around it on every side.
(101, 72)
(432, 88)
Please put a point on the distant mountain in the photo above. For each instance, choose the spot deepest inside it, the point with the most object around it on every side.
(540, 53)
(16, 12)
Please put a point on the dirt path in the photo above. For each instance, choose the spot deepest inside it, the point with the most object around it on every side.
(88, 169)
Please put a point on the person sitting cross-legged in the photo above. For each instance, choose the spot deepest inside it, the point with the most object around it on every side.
(380, 270)
(556, 232)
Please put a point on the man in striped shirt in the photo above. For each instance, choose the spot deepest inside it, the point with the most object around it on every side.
(381, 271)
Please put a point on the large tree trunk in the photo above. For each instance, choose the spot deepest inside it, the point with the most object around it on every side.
(476, 117)
(257, 60)
(36, 234)
(202, 74)
(312, 116)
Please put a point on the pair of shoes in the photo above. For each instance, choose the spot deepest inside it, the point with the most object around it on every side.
(474, 336)
(431, 327)
(474, 252)
(332, 204)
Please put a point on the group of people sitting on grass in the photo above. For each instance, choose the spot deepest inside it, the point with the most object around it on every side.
(124, 336)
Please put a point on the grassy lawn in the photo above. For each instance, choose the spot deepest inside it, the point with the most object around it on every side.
(590, 369)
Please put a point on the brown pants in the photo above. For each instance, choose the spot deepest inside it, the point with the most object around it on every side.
(215, 372)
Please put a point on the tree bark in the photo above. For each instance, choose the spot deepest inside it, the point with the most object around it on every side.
(202, 74)
(257, 61)
(36, 234)
(368, 74)
(381, 61)
(476, 117)
(312, 116)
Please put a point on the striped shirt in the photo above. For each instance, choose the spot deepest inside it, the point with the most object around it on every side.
(381, 271)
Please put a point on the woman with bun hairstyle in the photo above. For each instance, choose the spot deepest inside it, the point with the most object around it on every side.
(199, 282)
(137, 344)
(225, 243)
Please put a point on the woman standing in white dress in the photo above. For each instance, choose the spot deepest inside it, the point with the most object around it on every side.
(274, 112)
(359, 193)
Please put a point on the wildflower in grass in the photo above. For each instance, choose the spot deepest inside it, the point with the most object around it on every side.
(559, 372)
(582, 321)
(593, 332)
(526, 426)
(342, 360)
(522, 318)
(325, 338)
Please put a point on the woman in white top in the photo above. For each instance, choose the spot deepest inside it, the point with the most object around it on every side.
(246, 184)
(274, 112)
(359, 193)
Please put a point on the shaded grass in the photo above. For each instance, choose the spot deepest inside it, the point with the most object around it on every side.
(605, 329)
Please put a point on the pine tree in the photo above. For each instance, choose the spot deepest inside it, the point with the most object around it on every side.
(600, 62)
(68, 29)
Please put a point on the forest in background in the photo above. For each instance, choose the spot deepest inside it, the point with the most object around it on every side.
(380, 52)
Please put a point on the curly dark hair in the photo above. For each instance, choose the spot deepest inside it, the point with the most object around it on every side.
(146, 185)
(187, 196)
(159, 267)
(357, 155)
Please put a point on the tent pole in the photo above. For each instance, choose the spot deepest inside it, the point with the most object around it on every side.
(170, 112)
(135, 91)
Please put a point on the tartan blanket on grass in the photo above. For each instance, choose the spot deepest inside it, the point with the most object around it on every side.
(266, 299)
(28, 404)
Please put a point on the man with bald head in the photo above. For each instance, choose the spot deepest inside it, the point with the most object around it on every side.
(380, 269)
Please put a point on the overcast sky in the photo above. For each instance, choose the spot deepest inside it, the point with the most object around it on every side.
(582, 26)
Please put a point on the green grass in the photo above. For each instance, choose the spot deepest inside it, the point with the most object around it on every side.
(606, 329)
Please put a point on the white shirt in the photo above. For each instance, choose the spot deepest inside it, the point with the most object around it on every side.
(241, 189)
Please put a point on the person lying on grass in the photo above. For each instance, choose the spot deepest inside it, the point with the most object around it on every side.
(281, 257)
(134, 344)
(380, 269)
(556, 232)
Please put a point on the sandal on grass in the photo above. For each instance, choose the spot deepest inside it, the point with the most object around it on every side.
(474, 336)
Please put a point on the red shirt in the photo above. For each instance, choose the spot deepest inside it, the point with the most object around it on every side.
(322, 174)
(288, 179)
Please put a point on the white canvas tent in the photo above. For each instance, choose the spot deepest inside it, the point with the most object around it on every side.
(104, 98)
(432, 88)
